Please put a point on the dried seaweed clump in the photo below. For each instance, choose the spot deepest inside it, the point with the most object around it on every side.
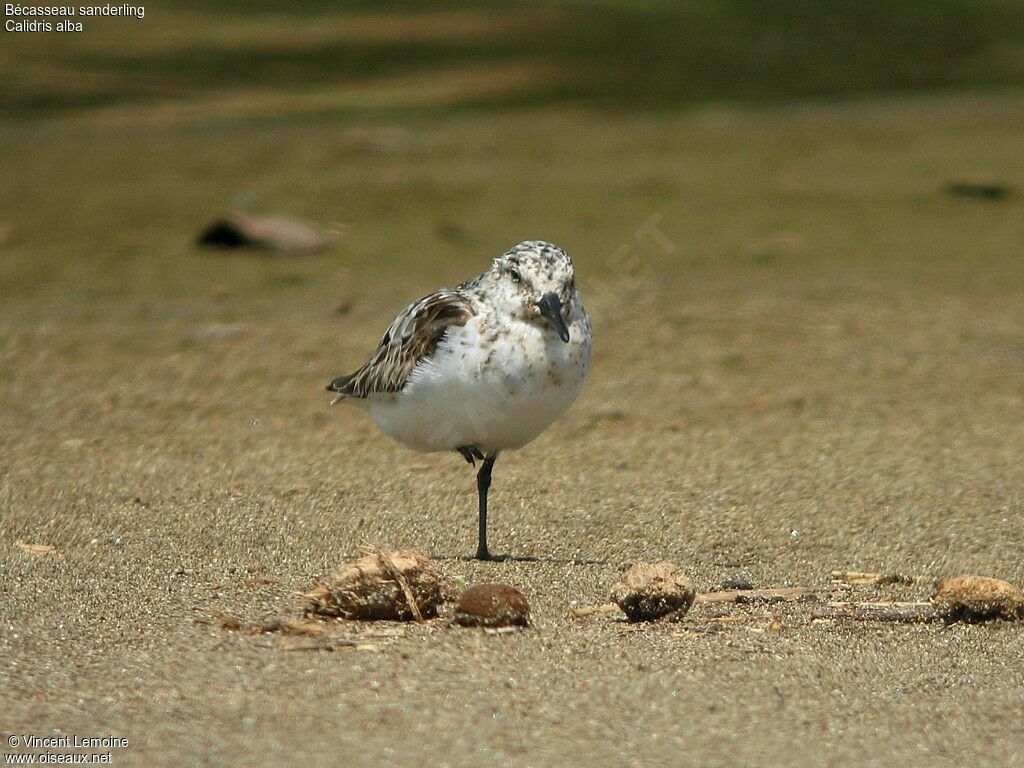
(394, 586)
(652, 591)
(978, 598)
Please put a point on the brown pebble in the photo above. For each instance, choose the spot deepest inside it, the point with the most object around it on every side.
(492, 605)
(978, 598)
(651, 591)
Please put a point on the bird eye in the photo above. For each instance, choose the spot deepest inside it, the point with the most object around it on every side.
(516, 277)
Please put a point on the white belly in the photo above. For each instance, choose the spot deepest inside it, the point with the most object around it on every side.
(493, 393)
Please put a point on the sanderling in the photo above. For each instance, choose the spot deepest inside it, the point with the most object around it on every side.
(483, 368)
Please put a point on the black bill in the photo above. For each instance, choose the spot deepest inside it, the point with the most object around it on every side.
(551, 307)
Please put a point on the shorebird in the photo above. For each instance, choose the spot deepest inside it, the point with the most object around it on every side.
(482, 368)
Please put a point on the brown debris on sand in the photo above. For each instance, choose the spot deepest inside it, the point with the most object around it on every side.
(780, 595)
(36, 550)
(394, 586)
(978, 598)
(980, 189)
(601, 609)
(898, 612)
(492, 605)
(652, 591)
(738, 596)
(294, 627)
(282, 626)
(870, 578)
(273, 233)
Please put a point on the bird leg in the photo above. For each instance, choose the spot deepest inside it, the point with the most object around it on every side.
(483, 483)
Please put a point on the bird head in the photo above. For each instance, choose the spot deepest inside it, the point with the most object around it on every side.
(535, 282)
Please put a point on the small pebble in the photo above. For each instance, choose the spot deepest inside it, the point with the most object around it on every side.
(492, 605)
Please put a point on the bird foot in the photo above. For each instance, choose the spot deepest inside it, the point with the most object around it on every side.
(471, 453)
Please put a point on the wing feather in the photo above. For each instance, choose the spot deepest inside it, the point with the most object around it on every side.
(412, 336)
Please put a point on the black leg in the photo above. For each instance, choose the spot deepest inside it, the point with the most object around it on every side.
(483, 482)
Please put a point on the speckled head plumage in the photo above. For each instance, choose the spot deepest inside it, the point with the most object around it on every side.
(532, 281)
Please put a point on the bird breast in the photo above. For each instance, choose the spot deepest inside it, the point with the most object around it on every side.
(494, 386)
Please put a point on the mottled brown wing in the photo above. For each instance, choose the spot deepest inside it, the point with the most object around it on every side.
(413, 335)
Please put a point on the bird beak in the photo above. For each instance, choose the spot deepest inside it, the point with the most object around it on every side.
(551, 307)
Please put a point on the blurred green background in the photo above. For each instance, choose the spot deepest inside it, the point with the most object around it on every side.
(366, 57)
(433, 135)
